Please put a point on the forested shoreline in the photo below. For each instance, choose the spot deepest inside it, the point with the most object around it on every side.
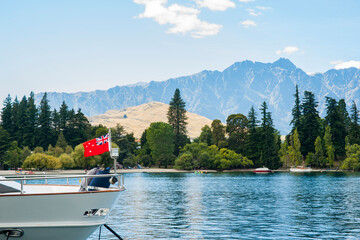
(36, 137)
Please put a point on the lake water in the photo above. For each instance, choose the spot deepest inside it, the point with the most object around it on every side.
(237, 206)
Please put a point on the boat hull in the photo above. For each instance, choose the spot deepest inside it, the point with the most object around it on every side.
(295, 170)
(262, 170)
(55, 233)
(269, 171)
(70, 216)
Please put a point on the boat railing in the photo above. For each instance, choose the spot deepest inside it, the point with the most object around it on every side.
(23, 179)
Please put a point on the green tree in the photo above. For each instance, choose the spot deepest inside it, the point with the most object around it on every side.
(125, 141)
(144, 150)
(57, 151)
(252, 146)
(352, 161)
(82, 128)
(63, 116)
(206, 135)
(19, 121)
(160, 137)
(6, 115)
(4, 144)
(284, 154)
(319, 156)
(354, 129)
(44, 133)
(294, 150)
(296, 111)
(344, 115)
(268, 141)
(218, 133)
(39, 150)
(55, 117)
(13, 156)
(330, 150)
(184, 161)
(310, 126)
(15, 132)
(228, 159)
(61, 142)
(31, 122)
(78, 128)
(237, 129)
(101, 132)
(196, 150)
(177, 119)
(82, 161)
(337, 124)
(41, 161)
(66, 161)
(24, 154)
(68, 149)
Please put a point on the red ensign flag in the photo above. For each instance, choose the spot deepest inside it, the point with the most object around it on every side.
(96, 146)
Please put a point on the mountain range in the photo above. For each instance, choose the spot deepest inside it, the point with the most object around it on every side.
(216, 94)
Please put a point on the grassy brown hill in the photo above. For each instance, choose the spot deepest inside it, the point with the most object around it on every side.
(137, 119)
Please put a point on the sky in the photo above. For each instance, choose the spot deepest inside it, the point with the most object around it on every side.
(85, 45)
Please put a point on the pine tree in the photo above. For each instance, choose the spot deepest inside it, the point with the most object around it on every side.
(6, 121)
(5, 141)
(55, 117)
(354, 129)
(253, 152)
(31, 122)
(20, 120)
(64, 120)
(81, 128)
(296, 111)
(177, 119)
(344, 115)
(61, 142)
(15, 120)
(268, 144)
(44, 134)
(337, 124)
(310, 126)
(69, 131)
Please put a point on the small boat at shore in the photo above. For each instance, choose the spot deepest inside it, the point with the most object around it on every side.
(300, 169)
(262, 170)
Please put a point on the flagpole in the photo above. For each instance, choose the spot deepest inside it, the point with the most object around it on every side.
(111, 149)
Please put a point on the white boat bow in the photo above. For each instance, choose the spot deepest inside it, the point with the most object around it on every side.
(49, 211)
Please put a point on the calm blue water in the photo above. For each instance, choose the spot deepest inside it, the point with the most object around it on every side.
(237, 206)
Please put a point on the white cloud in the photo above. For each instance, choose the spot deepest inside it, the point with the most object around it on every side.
(342, 65)
(245, 1)
(288, 50)
(183, 19)
(252, 12)
(264, 8)
(216, 5)
(248, 23)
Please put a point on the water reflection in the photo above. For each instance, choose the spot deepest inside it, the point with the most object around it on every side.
(238, 206)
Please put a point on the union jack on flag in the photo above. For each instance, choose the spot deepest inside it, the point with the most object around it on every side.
(102, 140)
